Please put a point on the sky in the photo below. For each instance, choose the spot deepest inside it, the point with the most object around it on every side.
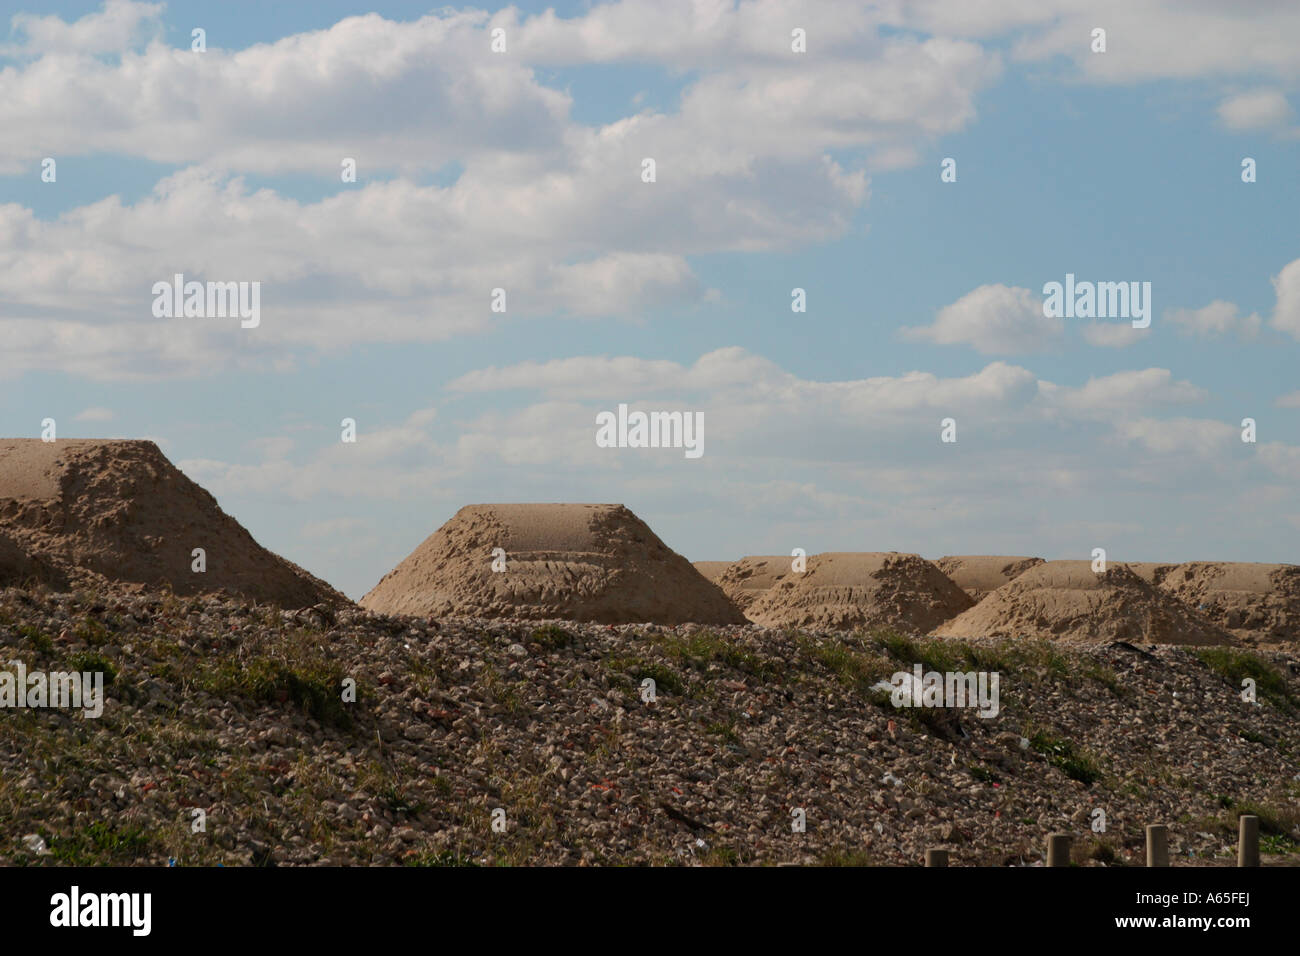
(776, 169)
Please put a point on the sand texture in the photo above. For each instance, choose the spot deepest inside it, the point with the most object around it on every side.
(749, 579)
(1067, 600)
(850, 590)
(1257, 603)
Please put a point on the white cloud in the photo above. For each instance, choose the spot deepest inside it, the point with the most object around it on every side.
(112, 29)
(94, 414)
(1202, 438)
(598, 376)
(1257, 109)
(1286, 316)
(1283, 460)
(1128, 391)
(1162, 39)
(305, 101)
(1290, 400)
(399, 95)
(549, 209)
(1217, 318)
(993, 319)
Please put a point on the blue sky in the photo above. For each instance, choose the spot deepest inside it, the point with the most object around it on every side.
(775, 170)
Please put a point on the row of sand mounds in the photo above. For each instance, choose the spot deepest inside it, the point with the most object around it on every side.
(1068, 600)
(93, 512)
(850, 590)
(577, 562)
(88, 512)
(1019, 596)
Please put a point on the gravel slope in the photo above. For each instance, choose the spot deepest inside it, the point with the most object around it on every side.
(212, 707)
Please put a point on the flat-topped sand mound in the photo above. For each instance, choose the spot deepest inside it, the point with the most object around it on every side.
(1067, 600)
(93, 512)
(980, 574)
(1258, 603)
(711, 569)
(849, 590)
(576, 562)
(749, 579)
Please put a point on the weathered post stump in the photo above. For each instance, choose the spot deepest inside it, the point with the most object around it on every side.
(1058, 849)
(1248, 840)
(1157, 845)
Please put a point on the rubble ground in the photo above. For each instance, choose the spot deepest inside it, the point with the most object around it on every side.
(236, 709)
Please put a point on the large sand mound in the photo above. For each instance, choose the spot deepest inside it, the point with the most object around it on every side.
(980, 574)
(1068, 600)
(750, 578)
(577, 562)
(845, 591)
(1258, 603)
(93, 512)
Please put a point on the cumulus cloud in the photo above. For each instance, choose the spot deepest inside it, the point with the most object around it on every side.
(1286, 316)
(113, 29)
(1216, 319)
(1129, 392)
(1161, 39)
(1202, 438)
(748, 394)
(1257, 109)
(418, 95)
(993, 319)
(551, 210)
(369, 88)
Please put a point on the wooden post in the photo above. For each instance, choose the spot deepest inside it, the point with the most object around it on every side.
(1157, 845)
(1248, 840)
(936, 857)
(1058, 849)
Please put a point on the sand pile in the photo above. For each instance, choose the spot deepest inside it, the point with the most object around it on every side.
(749, 579)
(576, 562)
(91, 512)
(1068, 600)
(980, 574)
(845, 591)
(1257, 603)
